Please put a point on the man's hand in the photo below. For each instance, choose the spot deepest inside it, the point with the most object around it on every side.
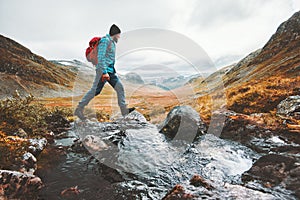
(105, 77)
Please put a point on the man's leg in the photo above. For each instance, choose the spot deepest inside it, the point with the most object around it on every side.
(118, 87)
(99, 87)
(95, 90)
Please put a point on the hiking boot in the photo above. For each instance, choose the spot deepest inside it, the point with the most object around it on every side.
(79, 113)
(131, 109)
(126, 111)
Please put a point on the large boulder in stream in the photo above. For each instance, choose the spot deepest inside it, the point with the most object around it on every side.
(102, 139)
(113, 131)
(183, 123)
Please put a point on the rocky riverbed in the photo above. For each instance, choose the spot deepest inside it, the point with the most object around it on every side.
(129, 158)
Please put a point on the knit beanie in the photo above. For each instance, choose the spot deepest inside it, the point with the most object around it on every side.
(114, 30)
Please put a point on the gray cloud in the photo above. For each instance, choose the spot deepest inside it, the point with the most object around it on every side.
(61, 29)
(214, 12)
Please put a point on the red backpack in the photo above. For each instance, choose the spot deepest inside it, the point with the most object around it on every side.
(91, 53)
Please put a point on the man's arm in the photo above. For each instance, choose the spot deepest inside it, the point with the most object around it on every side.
(102, 47)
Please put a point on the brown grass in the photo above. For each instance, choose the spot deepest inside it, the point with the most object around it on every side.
(152, 102)
(261, 96)
(250, 97)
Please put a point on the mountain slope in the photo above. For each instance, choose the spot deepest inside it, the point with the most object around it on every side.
(275, 72)
(280, 55)
(262, 79)
(22, 70)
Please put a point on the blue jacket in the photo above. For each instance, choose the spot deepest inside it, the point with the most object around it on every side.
(106, 55)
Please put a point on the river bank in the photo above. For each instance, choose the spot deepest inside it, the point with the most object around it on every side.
(253, 158)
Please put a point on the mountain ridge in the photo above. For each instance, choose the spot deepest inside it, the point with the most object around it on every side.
(258, 82)
(22, 70)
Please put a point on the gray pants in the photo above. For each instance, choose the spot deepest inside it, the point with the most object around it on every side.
(98, 86)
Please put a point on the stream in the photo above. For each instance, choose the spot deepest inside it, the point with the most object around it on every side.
(132, 160)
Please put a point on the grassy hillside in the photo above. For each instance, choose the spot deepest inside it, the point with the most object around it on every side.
(261, 80)
(22, 70)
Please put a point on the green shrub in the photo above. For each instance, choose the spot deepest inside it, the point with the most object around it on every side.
(33, 118)
(18, 112)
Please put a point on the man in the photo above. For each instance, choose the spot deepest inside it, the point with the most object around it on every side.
(105, 72)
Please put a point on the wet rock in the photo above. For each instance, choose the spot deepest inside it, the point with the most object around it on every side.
(289, 107)
(29, 163)
(102, 140)
(273, 170)
(37, 145)
(293, 181)
(94, 143)
(112, 131)
(288, 149)
(117, 137)
(183, 123)
(178, 192)
(18, 185)
(134, 120)
(198, 181)
(78, 147)
(69, 192)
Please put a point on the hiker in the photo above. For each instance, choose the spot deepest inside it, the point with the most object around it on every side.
(105, 72)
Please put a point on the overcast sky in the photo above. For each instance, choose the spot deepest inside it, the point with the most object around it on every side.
(226, 29)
